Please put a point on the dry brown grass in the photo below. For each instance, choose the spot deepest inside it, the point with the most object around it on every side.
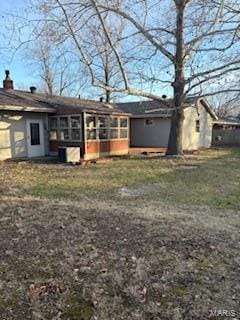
(134, 246)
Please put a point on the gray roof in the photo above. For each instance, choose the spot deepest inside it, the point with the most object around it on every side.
(227, 121)
(162, 108)
(38, 102)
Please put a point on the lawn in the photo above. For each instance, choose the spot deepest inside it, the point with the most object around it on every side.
(211, 178)
(136, 238)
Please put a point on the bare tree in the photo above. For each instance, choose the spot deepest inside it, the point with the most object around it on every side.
(54, 64)
(102, 55)
(188, 45)
(226, 104)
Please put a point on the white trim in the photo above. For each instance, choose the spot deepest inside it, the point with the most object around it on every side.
(27, 109)
(167, 116)
(69, 128)
(104, 140)
(39, 149)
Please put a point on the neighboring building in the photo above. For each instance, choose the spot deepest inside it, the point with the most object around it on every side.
(226, 132)
(151, 120)
(34, 125)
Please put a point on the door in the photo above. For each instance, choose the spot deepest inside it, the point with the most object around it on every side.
(35, 138)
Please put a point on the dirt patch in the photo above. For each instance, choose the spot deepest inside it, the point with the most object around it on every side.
(139, 190)
(187, 167)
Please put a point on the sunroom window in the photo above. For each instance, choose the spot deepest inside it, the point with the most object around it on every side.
(123, 128)
(91, 127)
(103, 123)
(114, 128)
(53, 128)
(64, 128)
(105, 127)
(75, 126)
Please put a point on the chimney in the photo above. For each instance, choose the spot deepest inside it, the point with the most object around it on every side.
(33, 90)
(7, 83)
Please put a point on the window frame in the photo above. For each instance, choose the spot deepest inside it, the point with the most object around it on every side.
(197, 126)
(74, 128)
(87, 128)
(103, 128)
(109, 127)
(69, 127)
(51, 129)
(151, 124)
(123, 128)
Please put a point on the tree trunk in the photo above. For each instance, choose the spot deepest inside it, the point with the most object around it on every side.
(108, 96)
(176, 134)
(175, 143)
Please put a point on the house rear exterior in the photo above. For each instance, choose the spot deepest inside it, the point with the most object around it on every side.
(150, 123)
(35, 125)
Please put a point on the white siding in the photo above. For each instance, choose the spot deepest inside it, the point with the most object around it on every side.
(193, 140)
(154, 136)
(13, 133)
(158, 134)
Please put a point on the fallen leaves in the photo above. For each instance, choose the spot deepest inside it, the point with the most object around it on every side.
(49, 287)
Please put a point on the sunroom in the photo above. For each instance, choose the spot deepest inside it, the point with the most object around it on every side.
(96, 134)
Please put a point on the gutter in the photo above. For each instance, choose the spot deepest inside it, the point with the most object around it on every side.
(27, 109)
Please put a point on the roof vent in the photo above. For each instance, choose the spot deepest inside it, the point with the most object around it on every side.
(7, 83)
(33, 90)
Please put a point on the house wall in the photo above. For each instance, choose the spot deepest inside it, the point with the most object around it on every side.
(13, 133)
(193, 140)
(153, 136)
(157, 135)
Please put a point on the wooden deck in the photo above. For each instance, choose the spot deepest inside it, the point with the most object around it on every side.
(136, 151)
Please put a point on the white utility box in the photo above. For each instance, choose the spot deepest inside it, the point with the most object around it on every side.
(69, 154)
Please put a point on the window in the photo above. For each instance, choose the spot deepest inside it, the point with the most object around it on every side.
(63, 122)
(123, 128)
(105, 127)
(123, 122)
(114, 128)
(64, 128)
(75, 125)
(149, 122)
(197, 125)
(53, 128)
(35, 134)
(103, 123)
(91, 127)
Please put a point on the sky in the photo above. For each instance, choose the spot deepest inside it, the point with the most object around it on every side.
(23, 72)
(20, 70)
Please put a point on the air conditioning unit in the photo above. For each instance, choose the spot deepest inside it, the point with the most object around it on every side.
(69, 154)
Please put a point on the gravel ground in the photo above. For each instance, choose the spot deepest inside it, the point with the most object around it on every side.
(87, 260)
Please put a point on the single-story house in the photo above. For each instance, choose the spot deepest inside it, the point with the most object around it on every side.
(35, 125)
(150, 123)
